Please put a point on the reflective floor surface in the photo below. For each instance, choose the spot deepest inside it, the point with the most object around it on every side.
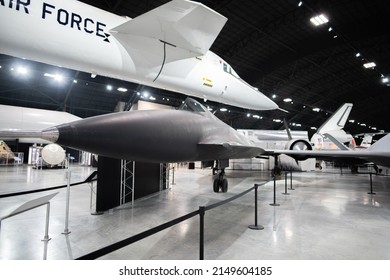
(328, 216)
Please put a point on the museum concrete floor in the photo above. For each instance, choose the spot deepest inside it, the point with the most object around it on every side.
(328, 216)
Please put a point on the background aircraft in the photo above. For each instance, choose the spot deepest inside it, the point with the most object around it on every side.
(22, 118)
(167, 47)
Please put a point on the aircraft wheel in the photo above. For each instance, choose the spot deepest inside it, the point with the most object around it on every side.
(216, 185)
(224, 185)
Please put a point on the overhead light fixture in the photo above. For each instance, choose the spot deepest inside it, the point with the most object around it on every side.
(109, 87)
(248, 115)
(75, 81)
(152, 98)
(56, 77)
(22, 70)
(319, 20)
(93, 75)
(358, 54)
(330, 29)
(257, 117)
(316, 109)
(385, 80)
(121, 89)
(352, 121)
(369, 65)
(223, 109)
(277, 120)
(274, 96)
(313, 128)
(300, 3)
(287, 100)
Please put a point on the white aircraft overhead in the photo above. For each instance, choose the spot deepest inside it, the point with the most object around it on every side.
(167, 47)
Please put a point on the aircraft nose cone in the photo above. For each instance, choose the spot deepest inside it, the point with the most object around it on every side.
(270, 105)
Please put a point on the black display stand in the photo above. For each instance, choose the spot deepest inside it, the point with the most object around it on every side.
(147, 179)
(108, 183)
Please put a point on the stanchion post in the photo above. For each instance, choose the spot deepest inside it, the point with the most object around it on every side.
(274, 204)
(46, 237)
(202, 211)
(371, 191)
(66, 230)
(291, 188)
(285, 184)
(173, 176)
(256, 226)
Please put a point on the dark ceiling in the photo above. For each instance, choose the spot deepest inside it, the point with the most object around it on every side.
(272, 45)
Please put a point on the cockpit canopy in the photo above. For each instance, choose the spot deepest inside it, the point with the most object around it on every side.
(194, 106)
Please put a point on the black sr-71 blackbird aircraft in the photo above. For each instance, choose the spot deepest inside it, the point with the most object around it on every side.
(191, 133)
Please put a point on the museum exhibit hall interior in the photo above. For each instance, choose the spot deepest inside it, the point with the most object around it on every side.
(194, 130)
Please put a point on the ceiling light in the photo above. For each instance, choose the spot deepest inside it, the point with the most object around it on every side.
(121, 89)
(369, 65)
(152, 98)
(316, 109)
(300, 3)
(257, 117)
(274, 96)
(223, 109)
(75, 81)
(287, 100)
(56, 77)
(109, 87)
(248, 115)
(93, 75)
(319, 20)
(385, 80)
(313, 128)
(22, 70)
(351, 121)
(358, 54)
(363, 124)
(330, 29)
(277, 120)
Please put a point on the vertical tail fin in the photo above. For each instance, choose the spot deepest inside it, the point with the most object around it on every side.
(382, 144)
(337, 120)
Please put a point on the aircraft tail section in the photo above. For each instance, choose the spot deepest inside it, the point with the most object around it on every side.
(382, 144)
(189, 27)
(337, 120)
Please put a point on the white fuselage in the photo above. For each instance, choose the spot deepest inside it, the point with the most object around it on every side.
(74, 35)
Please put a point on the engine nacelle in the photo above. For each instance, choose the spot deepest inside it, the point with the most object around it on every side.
(299, 144)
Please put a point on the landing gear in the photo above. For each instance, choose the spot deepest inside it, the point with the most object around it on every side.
(220, 183)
